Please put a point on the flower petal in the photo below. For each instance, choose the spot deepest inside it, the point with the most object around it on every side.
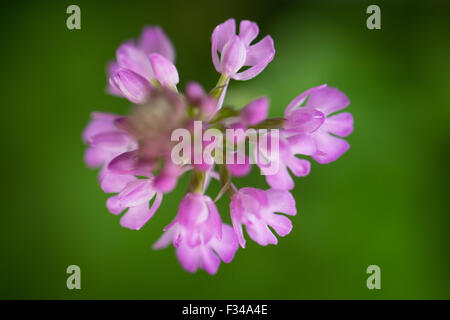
(299, 167)
(188, 257)
(305, 120)
(128, 163)
(209, 261)
(220, 36)
(248, 31)
(95, 157)
(130, 57)
(236, 212)
(154, 40)
(300, 99)
(194, 92)
(260, 233)
(111, 182)
(302, 144)
(165, 239)
(136, 217)
(258, 57)
(340, 124)
(114, 205)
(281, 224)
(100, 122)
(327, 100)
(255, 112)
(233, 56)
(281, 201)
(227, 246)
(136, 192)
(112, 140)
(281, 179)
(112, 68)
(132, 86)
(239, 170)
(165, 71)
(329, 148)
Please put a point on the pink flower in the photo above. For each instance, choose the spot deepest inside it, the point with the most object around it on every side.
(253, 113)
(197, 97)
(200, 237)
(317, 120)
(275, 162)
(135, 197)
(106, 141)
(236, 51)
(255, 209)
(139, 63)
(169, 133)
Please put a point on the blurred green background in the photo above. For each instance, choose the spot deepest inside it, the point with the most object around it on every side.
(384, 202)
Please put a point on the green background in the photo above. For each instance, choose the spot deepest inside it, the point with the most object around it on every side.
(384, 202)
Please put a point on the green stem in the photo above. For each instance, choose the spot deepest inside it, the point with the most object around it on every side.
(197, 182)
(216, 92)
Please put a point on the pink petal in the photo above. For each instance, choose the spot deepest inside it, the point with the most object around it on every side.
(279, 223)
(327, 100)
(305, 120)
(260, 233)
(239, 170)
(111, 182)
(258, 57)
(281, 201)
(214, 224)
(188, 257)
(255, 112)
(227, 246)
(164, 70)
(233, 56)
(236, 213)
(113, 140)
(114, 205)
(165, 239)
(95, 157)
(248, 31)
(300, 99)
(329, 148)
(136, 217)
(128, 163)
(299, 167)
(112, 68)
(154, 40)
(136, 192)
(220, 36)
(302, 144)
(209, 260)
(194, 92)
(340, 124)
(132, 86)
(100, 122)
(192, 210)
(280, 180)
(130, 57)
(167, 177)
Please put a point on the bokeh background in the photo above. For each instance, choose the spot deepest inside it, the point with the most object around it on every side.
(384, 202)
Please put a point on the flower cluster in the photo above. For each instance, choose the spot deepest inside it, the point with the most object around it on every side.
(135, 151)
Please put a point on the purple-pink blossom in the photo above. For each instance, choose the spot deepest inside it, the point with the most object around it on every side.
(140, 63)
(256, 209)
(200, 237)
(135, 151)
(312, 113)
(236, 51)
